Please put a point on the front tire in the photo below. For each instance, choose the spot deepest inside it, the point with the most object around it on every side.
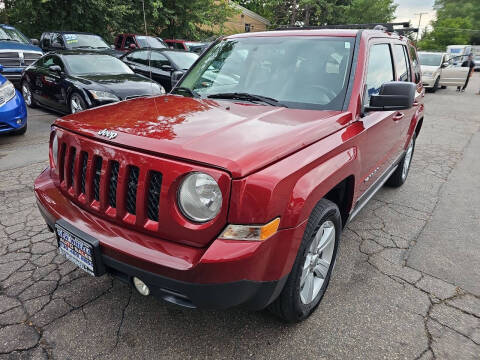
(313, 265)
(400, 175)
(77, 103)
(27, 95)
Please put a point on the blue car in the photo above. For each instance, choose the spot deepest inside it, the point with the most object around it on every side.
(16, 53)
(13, 112)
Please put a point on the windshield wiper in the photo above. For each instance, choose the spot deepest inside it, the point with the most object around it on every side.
(85, 47)
(247, 97)
(8, 39)
(190, 91)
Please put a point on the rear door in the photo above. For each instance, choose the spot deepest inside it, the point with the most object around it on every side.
(383, 127)
(453, 74)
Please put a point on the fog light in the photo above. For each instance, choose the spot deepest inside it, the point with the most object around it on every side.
(141, 287)
(19, 121)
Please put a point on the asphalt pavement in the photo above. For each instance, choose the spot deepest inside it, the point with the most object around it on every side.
(406, 283)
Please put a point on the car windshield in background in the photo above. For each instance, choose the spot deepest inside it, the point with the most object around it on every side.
(430, 59)
(149, 42)
(85, 41)
(9, 33)
(183, 60)
(299, 72)
(91, 64)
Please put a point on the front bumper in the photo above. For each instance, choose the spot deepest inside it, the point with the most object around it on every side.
(223, 275)
(13, 115)
(428, 82)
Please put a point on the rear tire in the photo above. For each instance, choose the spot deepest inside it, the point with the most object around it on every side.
(310, 274)
(400, 175)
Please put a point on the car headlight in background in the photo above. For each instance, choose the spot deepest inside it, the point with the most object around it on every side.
(199, 197)
(428, 73)
(54, 148)
(103, 95)
(7, 92)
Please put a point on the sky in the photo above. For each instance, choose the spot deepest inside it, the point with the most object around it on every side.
(407, 9)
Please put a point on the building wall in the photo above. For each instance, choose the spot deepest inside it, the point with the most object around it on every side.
(237, 24)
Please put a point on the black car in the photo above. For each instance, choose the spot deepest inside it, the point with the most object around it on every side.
(73, 40)
(159, 63)
(71, 81)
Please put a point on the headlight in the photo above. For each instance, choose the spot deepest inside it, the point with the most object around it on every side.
(428, 73)
(55, 148)
(199, 197)
(103, 95)
(7, 92)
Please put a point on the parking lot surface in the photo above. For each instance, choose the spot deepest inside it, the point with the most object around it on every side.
(406, 283)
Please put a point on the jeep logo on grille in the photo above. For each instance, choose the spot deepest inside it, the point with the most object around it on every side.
(108, 134)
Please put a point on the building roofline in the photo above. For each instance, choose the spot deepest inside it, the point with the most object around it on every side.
(250, 13)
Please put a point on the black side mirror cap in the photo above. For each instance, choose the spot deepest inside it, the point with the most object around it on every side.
(393, 95)
(35, 42)
(55, 68)
(175, 77)
(166, 68)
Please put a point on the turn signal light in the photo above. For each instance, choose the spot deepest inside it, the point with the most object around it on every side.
(251, 232)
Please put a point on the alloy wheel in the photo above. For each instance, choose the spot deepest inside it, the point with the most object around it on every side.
(27, 94)
(76, 104)
(317, 262)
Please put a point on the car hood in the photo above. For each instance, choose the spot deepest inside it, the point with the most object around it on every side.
(238, 137)
(12, 45)
(122, 85)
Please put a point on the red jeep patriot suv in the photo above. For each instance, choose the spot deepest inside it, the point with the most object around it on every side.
(234, 188)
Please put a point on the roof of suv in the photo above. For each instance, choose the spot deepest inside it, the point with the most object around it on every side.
(70, 32)
(320, 32)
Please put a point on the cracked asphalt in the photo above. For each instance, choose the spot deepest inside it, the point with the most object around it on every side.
(406, 283)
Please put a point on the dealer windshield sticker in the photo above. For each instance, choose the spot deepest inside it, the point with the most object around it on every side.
(70, 37)
(347, 45)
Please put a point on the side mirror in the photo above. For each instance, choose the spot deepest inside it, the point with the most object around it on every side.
(35, 42)
(166, 67)
(175, 77)
(445, 64)
(394, 95)
(55, 68)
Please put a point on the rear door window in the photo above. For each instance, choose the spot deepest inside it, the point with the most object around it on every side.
(379, 70)
(401, 63)
(139, 57)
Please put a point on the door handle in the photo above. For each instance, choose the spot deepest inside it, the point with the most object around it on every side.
(398, 116)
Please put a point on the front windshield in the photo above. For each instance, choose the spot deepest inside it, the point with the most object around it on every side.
(85, 41)
(90, 64)
(430, 59)
(149, 42)
(10, 33)
(298, 71)
(183, 60)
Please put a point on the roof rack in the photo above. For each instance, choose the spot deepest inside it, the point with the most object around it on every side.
(399, 27)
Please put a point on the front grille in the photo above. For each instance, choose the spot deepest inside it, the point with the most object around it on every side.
(96, 178)
(83, 175)
(72, 166)
(132, 184)
(112, 186)
(13, 59)
(154, 195)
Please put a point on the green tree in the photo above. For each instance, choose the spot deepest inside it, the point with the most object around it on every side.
(369, 11)
(447, 31)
